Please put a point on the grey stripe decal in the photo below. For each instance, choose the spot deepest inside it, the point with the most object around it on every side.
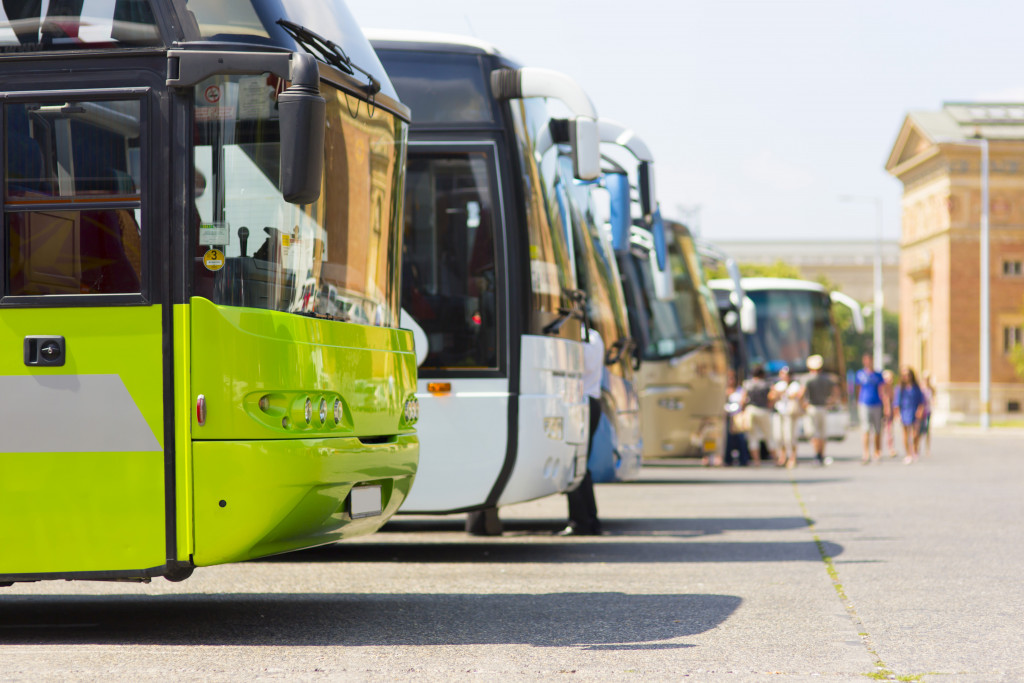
(70, 414)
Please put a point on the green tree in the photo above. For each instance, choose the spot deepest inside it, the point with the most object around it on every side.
(777, 269)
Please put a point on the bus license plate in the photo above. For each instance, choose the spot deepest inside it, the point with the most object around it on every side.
(364, 501)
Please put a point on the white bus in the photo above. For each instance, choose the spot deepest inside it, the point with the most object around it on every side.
(488, 275)
(794, 321)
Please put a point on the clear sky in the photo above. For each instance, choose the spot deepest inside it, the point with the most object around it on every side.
(760, 112)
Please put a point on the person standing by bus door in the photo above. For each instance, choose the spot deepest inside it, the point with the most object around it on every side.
(818, 394)
(583, 519)
(869, 407)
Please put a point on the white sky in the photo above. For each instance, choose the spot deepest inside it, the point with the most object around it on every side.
(761, 112)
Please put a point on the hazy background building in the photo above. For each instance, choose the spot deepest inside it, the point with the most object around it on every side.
(850, 264)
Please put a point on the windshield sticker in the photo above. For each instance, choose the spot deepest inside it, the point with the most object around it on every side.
(214, 234)
(213, 259)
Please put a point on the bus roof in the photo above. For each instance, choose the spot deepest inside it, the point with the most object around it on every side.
(427, 40)
(753, 284)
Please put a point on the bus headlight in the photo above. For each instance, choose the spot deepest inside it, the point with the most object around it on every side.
(323, 410)
(338, 412)
(412, 410)
(308, 413)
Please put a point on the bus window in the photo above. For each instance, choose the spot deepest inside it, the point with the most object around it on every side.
(595, 271)
(333, 259)
(664, 337)
(449, 279)
(441, 88)
(74, 26)
(72, 200)
(550, 265)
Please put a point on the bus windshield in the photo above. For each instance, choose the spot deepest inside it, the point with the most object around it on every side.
(664, 336)
(596, 272)
(333, 259)
(28, 25)
(552, 273)
(692, 303)
(792, 324)
(255, 22)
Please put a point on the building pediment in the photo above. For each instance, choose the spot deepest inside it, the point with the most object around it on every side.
(914, 144)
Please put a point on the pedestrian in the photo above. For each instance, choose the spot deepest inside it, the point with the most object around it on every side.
(737, 422)
(788, 405)
(583, 520)
(924, 430)
(819, 396)
(909, 405)
(869, 407)
(887, 391)
(760, 399)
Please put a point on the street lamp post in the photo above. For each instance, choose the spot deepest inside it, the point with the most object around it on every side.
(879, 335)
(985, 357)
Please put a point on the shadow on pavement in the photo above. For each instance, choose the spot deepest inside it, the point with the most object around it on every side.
(735, 480)
(667, 526)
(592, 620)
(603, 550)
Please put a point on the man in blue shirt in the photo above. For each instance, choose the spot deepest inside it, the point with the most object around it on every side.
(869, 406)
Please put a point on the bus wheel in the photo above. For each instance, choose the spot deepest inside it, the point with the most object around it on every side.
(483, 522)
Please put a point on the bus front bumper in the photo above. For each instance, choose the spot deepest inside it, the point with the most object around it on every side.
(258, 498)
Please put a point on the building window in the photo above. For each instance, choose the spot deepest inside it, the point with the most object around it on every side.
(1012, 336)
(1013, 406)
(1013, 268)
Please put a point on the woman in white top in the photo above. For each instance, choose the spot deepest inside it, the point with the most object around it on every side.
(789, 407)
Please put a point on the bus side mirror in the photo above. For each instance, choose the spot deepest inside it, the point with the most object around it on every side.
(619, 209)
(648, 197)
(586, 148)
(302, 114)
(660, 247)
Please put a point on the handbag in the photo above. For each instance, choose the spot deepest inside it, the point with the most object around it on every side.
(741, 421)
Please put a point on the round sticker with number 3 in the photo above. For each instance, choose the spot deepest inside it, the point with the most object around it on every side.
(213, 259)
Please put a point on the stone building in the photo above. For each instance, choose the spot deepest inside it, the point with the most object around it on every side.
(940, 251)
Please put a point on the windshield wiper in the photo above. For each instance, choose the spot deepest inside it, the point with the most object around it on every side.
(328, 52)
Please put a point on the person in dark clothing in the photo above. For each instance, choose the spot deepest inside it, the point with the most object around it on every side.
(583, 519)
(760, 401)
(819, 393)
(736, 435)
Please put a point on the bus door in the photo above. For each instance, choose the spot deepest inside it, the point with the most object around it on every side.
(82, 325)
(452, 287)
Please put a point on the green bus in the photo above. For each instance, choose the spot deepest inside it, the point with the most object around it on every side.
(199, 281)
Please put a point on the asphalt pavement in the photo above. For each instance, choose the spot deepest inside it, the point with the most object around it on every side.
(839, 573)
